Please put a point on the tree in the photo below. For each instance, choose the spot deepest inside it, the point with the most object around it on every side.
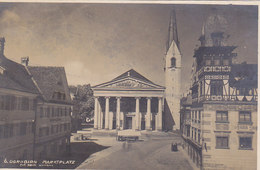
(83, 102)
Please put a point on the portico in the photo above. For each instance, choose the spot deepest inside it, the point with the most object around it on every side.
(129, 101)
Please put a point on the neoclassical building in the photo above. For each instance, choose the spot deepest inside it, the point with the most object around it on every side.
(130, 101)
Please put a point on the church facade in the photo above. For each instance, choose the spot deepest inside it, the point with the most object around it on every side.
(130, 101)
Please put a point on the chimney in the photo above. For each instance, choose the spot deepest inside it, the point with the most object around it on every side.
(25, 61)
(2, 46)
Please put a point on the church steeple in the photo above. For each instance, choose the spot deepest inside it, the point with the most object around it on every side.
(172, 31)
(172, 76)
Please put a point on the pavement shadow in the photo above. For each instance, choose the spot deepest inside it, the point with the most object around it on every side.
(80, 151)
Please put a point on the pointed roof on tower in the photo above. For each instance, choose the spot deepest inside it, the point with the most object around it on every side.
(172, 31)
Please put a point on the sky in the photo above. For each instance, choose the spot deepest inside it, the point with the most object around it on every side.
(97, 42)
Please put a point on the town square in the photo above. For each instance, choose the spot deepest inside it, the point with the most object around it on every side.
(128, 86)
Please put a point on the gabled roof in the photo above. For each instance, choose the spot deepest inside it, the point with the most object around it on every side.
(15, 76)
(50, 80)
(132, 73)
(130, 79)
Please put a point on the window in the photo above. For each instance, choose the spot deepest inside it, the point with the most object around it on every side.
(216, 87)
(195, 135)
(6, 131)
(23, 127)
(222, 116)
(199, 136)
(41, 132)
(52, 113)
(1, 131)
(7, 102)
(47, 131)
(244, 116)
(217, 62)
(2, 102)
(52, 129)
(68, 126)
(195, 116)
(222, 142)
(225, 62)
(48, 112)
(201, 88)
(41, 112)
(11, 130)
(65, 127)
(13, 103)
(245, 142)
(60, 127)
(25, 103)
(208, 62)
(173, 62)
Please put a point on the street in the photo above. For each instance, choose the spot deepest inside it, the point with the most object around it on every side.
(154, 153)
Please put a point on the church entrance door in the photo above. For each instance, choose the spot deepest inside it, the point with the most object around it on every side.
(128, 123)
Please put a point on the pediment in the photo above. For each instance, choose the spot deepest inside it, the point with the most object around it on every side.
(129, 83)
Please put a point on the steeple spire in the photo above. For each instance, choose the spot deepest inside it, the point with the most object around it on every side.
(172, 32)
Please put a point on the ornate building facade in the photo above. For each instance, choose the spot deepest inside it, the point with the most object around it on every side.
(130, 101)
(223, 122)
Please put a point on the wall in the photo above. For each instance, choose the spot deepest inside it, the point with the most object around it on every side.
(232, 157)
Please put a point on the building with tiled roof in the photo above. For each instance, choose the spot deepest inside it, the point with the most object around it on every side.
(35, 107)
(53, 111)
(18, 95)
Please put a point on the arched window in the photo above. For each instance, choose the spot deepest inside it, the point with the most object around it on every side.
(173, 62)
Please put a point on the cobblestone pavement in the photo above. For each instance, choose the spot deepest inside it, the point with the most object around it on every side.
(154, 153)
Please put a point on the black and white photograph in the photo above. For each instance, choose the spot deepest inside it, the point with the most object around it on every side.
(128, 85)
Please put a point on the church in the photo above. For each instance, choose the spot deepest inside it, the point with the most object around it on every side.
(131, 101)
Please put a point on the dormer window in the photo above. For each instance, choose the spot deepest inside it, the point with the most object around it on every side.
(59, 96)
(173, 62)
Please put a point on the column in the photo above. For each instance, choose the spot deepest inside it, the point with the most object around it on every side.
(122, 117)
(159, 115)
(111, 115)
(148, 114)
(96, 113)
(137, 113)
(107, 113)
(118, 113)
(100, 117)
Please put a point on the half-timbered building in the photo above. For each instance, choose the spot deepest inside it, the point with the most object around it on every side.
(223, 126)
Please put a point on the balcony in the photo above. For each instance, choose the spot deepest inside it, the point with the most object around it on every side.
(214, 69)
(223, 98)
